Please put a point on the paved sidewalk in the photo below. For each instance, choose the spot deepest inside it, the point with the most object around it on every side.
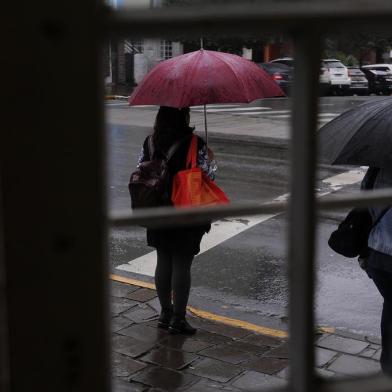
(219, 356)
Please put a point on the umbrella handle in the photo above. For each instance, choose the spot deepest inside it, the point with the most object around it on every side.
(205, 124)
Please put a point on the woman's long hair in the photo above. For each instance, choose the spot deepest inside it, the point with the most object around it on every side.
(171, 124)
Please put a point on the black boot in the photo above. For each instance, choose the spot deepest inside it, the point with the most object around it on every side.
(181, 326)
(164, 318)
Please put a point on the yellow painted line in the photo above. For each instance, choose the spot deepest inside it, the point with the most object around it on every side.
(238, 323)
(135, 282)
(327, 329)
(276, 333)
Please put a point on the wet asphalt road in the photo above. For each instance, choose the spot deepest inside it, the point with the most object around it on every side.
(245, 276)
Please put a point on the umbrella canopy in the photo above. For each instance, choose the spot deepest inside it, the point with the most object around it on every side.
(360, 136)
(203, 77)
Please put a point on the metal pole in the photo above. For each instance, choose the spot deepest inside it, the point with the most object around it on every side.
(302, 210)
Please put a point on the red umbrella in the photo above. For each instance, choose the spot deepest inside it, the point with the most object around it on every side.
(203, 77)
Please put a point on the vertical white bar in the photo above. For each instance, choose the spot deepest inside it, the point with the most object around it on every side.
(302, 210)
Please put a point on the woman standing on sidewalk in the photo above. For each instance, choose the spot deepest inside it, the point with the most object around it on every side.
(176, 247)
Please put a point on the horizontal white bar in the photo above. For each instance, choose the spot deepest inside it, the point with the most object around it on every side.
(168, 216)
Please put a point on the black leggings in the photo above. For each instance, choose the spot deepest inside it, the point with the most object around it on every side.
(173, 273)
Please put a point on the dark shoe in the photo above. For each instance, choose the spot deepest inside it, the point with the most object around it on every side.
(164, 319)
(181, 327)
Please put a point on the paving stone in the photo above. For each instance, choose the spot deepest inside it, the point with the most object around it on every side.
(227, 353)
(254, 381)
(141, 314)
(377, 355)
(374, 340)
(121, 290)
(205, 386)
(346, 345)
(168, 358)
(266, 365)
(210, 337)
(284, 373)
(351, 335)
(214, 370)
(221, 329)
(323, 356)
(125, 386)
(354, 366)
(184, 343)
(130, 346)
(123, 366)
(120, 305)
(142, 295)
(279, 352)
(247, 347)
(119, 322)
(154, 303)
(368, 352)
(262, 340)
(325, 373)
(144, 333)
(166, 379)
(375, 346)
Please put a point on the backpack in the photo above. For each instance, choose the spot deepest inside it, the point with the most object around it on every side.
(351, 237)
(148, 182)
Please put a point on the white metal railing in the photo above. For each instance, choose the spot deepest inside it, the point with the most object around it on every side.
(53, 216)
(305, 21)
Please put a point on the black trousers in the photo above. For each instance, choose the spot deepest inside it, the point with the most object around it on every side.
(173, 275)
(383, 281)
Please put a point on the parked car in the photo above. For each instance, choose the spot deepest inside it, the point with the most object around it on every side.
(380, 82)
(329, 78)
(284, 60)
(379, 67)
(281, 73)
(336, 76)
(359, 83)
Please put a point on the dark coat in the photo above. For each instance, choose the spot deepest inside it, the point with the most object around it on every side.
(185, 239)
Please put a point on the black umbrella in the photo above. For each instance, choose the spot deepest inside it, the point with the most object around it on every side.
(360, 136)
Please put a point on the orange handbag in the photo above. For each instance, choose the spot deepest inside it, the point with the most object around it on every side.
(192, 187)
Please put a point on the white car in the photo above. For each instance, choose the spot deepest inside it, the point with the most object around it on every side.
(379, 67)
(333, 74)
(336, 75)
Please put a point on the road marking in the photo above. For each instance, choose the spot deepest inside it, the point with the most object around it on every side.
(276, 333)
(196, 108)
(328, 114)
(116, 104)
(235, 109)
(221, 231)
(225, 229)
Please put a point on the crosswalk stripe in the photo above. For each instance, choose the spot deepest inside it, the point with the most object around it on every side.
(225, 229)
(235, 110)
(201, 107)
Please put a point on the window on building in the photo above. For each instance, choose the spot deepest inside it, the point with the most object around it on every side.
(166, 49)
(134, 46)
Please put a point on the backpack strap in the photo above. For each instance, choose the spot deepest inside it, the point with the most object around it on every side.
(380, 217)
(150, 147)
(169, 154)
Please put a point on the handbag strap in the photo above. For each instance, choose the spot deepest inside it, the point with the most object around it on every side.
(192, 152)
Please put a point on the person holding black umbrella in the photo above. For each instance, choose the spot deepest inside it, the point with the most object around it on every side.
(378, 263)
